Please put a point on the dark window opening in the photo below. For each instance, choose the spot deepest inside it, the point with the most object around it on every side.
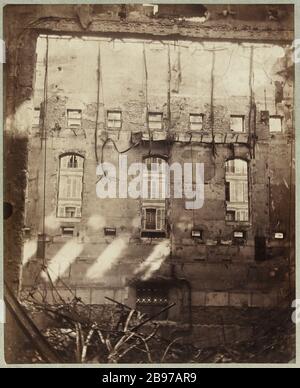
(40, 253)
(150, 219)
(227, 191)
(110, 232)
(151, 299)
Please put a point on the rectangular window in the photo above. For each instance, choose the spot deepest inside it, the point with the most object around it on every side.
(74, 118)
(67, 231)
(70, 211)
(275, 123)
(36, 116)
(279, 236)
(154, 219)
(196, 122)
(70, 188)
(114, 119)
(110, 232)
(238, 234)
(227, 191)
(154, 223)
(197, 234)
(150, 221)
(230, 215)
(237, 123)
(237, 190)
(155, 120)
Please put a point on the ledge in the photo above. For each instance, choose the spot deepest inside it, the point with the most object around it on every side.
(171, 29)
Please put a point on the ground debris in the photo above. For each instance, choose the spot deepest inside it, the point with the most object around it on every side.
(116, 333)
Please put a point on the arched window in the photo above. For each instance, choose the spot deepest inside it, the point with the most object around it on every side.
(154, 205)
(237, 193)
(70, 186)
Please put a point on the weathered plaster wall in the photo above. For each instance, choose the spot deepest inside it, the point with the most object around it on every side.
(219, 275)
(220, 272)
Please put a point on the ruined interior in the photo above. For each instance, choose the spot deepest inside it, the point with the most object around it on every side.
(209, 84)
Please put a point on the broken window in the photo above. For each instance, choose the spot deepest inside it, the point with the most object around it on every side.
(114, 119)
(155, 120)
(237, 196)
(70, 186)
(154, 205)
(74, 118)
(151, 299)
(196, 122)
(36, 117)
(237, 123)
(275, 123)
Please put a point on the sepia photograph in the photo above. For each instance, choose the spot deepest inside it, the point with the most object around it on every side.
(149, 173)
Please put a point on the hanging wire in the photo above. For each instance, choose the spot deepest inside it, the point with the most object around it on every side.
(44, 139)
(98, 102)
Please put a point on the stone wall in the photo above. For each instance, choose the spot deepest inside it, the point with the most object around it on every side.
(219, 272)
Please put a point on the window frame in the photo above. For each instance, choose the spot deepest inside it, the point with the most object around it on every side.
(272, 117)
(152, 114)
(74, 127)
(236, 116)
(240, 206)
(68, 229)
(73, 182)
(191, 123)
(108, 120)
(36, 119)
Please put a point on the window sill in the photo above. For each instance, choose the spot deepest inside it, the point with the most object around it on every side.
(66, 219)
(149, 234)
(239, 223)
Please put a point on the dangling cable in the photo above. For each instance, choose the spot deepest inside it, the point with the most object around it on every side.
(44, 138)
(98, 103)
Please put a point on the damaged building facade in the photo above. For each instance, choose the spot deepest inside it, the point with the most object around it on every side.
(213, 88)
